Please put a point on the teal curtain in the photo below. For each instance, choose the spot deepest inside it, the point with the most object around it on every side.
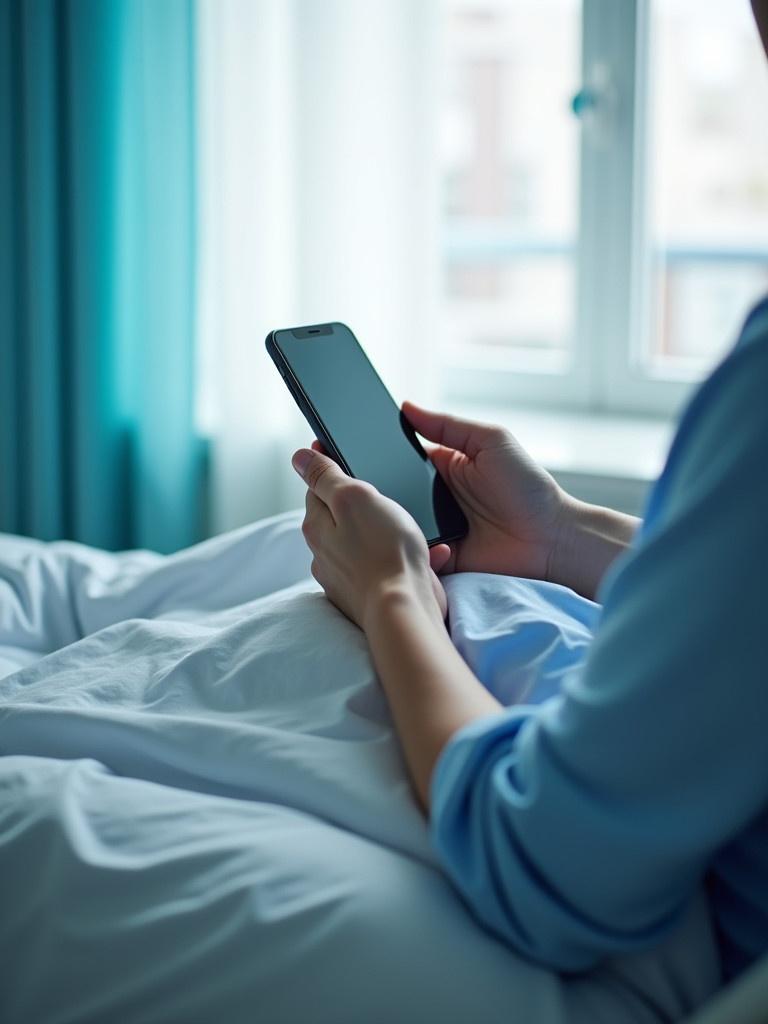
(97, 273)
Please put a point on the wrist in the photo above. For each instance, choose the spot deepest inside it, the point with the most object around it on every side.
(589, 539)
(562, 540)
(406, 592)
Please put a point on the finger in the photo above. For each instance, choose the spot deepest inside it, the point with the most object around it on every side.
(438, 556)
(441, 559)
(318, 446)
(451, 431)
(320, 474)
(442, 458)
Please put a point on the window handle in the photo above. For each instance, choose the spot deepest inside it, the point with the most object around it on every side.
(583, 101)
(596, 103)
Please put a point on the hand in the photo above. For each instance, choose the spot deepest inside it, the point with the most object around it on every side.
(515, 509)
(363, 542)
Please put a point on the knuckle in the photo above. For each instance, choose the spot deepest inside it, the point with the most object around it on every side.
(316, 571)
(415, 544)
(362, 490)
(344, 499)
(316, 473)
(497, 435)
(351, 494)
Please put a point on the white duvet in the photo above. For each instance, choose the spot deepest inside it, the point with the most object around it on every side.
(204, 814)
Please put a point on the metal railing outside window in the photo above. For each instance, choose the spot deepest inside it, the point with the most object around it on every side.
(604, 195)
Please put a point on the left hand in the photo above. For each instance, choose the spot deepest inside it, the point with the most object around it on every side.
(363, 542)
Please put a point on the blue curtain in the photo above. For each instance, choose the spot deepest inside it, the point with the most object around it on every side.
(97, 273)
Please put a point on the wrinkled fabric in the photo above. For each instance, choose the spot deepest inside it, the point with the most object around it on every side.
(204, 812)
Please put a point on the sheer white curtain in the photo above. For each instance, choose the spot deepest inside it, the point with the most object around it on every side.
(317, 165)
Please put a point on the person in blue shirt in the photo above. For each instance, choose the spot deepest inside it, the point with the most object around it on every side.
(583, 826)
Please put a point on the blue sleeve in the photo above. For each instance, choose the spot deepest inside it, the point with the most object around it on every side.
(582, 828)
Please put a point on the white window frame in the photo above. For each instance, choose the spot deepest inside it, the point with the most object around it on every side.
(613, 259)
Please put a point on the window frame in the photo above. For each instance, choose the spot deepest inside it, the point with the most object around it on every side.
(613, 256)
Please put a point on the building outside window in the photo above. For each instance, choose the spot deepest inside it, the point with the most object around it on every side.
(604, 196)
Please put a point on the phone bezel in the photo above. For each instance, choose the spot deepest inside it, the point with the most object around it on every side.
(303, 401)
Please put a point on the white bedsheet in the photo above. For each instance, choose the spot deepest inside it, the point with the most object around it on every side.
(204, 814)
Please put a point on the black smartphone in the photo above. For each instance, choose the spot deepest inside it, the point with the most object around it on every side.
(360, 425)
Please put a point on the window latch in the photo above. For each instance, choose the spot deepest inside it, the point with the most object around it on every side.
(596, 103)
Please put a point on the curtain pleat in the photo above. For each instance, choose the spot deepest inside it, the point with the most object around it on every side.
(10, 497)
(97, 273)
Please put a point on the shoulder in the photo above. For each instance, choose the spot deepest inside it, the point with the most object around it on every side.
(722, 438)
(755, 329)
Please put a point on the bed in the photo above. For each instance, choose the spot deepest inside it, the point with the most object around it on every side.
(204, 813)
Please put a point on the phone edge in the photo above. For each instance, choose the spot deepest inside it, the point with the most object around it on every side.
(302, 400)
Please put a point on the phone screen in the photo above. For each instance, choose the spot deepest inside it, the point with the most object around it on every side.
(353, 412)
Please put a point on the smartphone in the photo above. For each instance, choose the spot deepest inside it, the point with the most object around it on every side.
(360, 425)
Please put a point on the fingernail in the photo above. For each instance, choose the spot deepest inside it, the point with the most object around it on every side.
(300, 460)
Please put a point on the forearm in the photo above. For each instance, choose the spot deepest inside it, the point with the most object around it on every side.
(590, 540)
(431, 691)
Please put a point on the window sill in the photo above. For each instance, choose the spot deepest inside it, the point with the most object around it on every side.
(603, 458)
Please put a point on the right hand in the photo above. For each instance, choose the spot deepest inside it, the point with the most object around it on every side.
(515, 509)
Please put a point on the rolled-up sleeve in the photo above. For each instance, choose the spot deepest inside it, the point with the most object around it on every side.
(582, 827)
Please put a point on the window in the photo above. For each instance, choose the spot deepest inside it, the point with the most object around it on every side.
(604, 169)
(709, 175)
(510, 177)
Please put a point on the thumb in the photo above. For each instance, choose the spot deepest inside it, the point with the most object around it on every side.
(450, 431)
(321, 474)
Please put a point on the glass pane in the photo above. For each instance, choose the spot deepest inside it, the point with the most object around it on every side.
(509, 160)
(709, 174)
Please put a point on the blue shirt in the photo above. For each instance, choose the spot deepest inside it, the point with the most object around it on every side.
(582, 826)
